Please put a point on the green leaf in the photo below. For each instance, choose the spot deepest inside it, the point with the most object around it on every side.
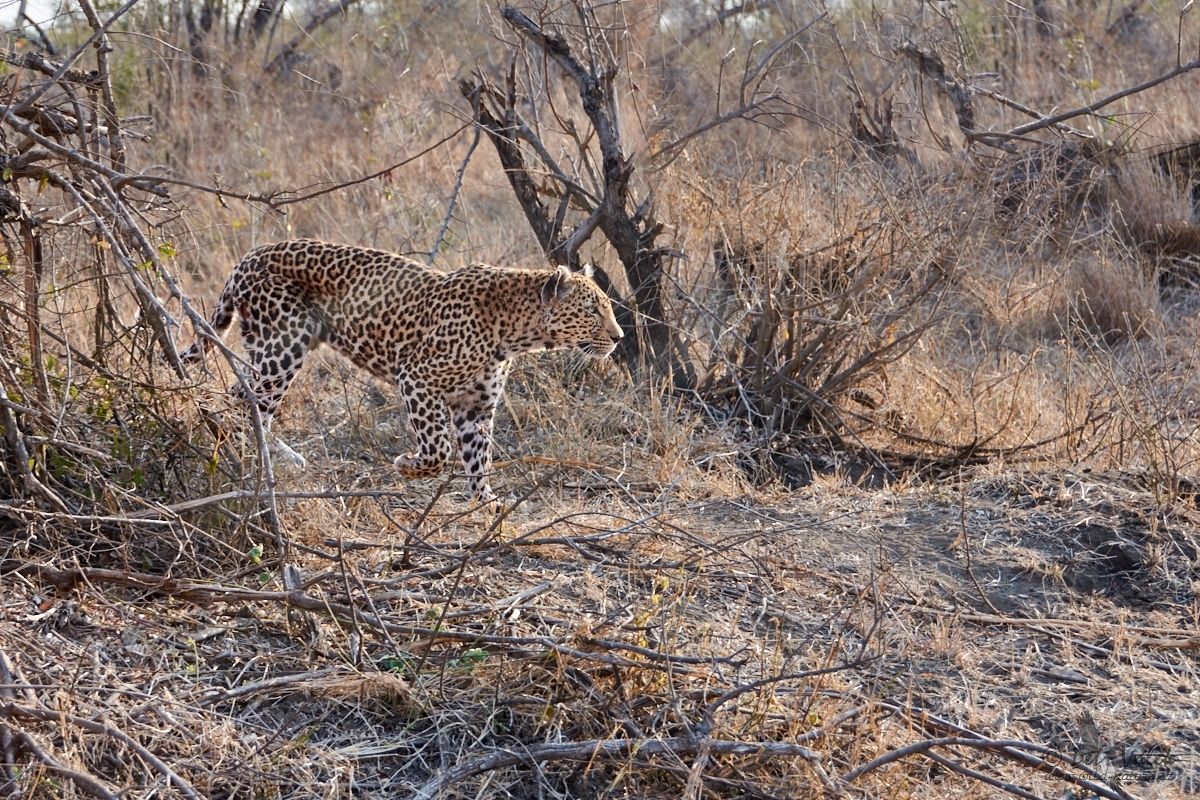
(396, 663)
(256, 553)
(166, 250)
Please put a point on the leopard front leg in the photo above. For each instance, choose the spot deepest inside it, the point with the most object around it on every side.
(474, 412)
(427, 418)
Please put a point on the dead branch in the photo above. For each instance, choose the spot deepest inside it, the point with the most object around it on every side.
(1004, 786)
(1022, 755)
(608, 749)
(1027, 111)
(501, 127)
(97, 34)
(103, 48)
(931, 66)
(39, 63)
(997, 745)
(266, 685)
(1046, 122)
(632, 233)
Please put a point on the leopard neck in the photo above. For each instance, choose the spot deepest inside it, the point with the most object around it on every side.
(514, 298)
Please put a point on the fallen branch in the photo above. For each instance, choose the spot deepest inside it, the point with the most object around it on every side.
(954, 766)
(1014, 752)
(14, 710)
(86, 782)
(609, 749)
(217, 593)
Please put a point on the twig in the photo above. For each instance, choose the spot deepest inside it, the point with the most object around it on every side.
(1021, 130)
(751, 75)
(458, 181)
(69, 61)
(966, 544)
(670, 152)
(12, 709)
(116, 146)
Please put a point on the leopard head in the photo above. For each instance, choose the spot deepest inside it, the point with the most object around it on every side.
(576, 313)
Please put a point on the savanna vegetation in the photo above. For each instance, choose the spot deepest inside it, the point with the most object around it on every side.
(890, 490)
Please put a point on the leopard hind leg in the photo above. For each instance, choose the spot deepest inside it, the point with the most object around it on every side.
(275, 351)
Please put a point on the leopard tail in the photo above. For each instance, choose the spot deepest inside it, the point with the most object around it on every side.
(220, 322)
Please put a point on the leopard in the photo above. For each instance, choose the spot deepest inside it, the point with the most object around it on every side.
(446, 339)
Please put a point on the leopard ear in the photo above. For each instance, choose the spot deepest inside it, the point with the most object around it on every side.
(588, 270)
(557, 286)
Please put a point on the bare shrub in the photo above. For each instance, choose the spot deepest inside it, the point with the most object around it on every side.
(818, 282)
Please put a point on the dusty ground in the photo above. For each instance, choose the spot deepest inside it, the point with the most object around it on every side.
(612, 606)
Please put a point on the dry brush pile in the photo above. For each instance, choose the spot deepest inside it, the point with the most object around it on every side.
(177, 619)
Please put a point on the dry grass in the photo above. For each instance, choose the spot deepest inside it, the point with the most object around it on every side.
(654, 613)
